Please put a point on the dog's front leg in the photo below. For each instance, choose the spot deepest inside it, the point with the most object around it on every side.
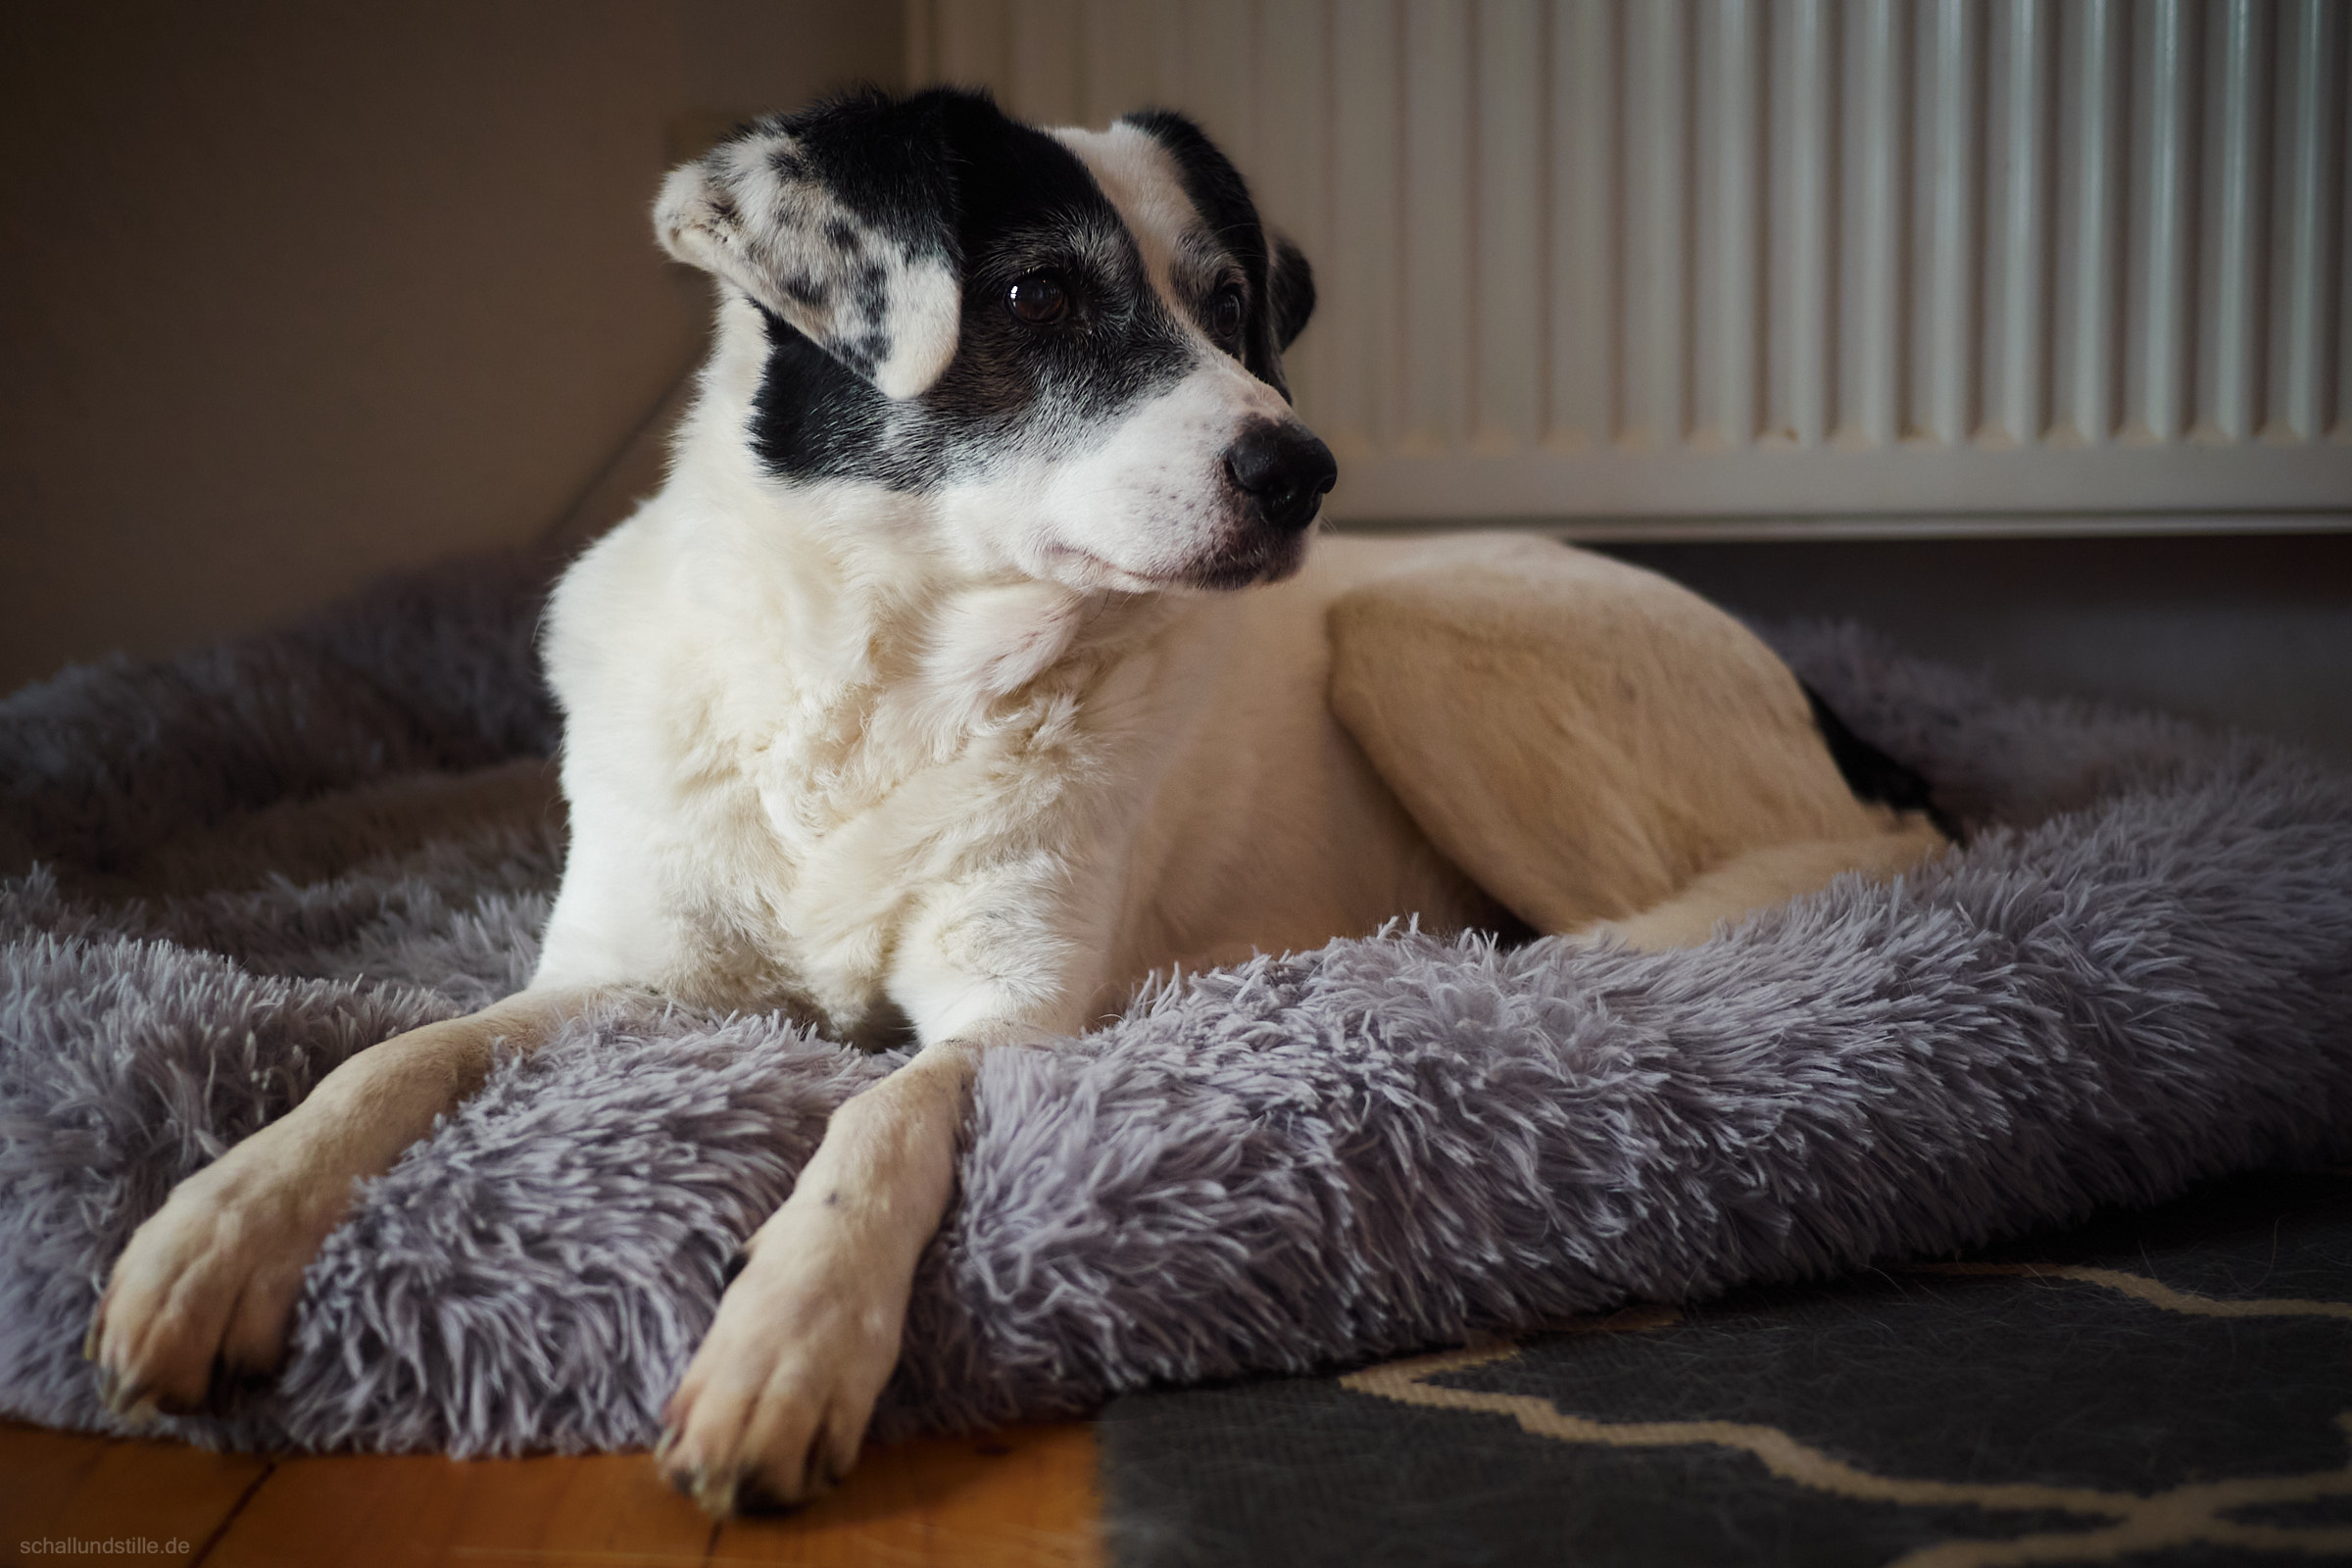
(774, 1405)
(204, 1293)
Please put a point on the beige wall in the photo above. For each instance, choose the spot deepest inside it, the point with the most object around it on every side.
(294, 293)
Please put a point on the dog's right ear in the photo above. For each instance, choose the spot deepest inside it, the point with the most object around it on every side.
(842, 221)
(1289, 290)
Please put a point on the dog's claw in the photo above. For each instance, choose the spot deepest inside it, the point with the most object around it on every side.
(227, 1387)
(729, 1487)
(741, 1491)
(126, 1401)
(714, 1498)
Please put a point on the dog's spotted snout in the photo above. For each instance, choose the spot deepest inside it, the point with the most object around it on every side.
(1284, 468)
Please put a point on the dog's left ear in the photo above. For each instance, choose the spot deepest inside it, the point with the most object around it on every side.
(842, 221)
(1289, 291)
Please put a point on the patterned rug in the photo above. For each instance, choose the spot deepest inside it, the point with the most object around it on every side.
(2167, 1387)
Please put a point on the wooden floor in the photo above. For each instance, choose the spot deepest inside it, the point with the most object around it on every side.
(1022, 1497)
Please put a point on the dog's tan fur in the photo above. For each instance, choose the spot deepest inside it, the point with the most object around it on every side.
(814, 755)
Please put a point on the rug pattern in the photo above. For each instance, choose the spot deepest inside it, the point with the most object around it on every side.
(2171, 1386)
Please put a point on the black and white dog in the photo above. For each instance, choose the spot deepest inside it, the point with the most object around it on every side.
(974, 662)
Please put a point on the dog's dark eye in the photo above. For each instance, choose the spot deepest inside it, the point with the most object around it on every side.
(1039, 300)
(1225, 315)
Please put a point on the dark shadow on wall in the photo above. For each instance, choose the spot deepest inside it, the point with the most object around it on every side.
(2248, 631)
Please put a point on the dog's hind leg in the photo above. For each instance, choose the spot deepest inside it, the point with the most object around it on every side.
(1593, 744)
(203, 1296)
(1762, 878)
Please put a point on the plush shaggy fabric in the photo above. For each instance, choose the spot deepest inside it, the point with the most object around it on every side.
(228, 871)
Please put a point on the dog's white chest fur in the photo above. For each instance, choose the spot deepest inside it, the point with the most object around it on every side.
(789, 783)
(803, 766)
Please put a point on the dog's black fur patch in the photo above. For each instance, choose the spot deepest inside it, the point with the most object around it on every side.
(1871, 774)
(883, 159)
(1281, 286)
(948, 170)
(1290, 293)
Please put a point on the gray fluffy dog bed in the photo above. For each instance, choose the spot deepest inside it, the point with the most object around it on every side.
(2136, 973)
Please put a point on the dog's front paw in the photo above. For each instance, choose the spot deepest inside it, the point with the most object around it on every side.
(202, 1298)
(773, 1408)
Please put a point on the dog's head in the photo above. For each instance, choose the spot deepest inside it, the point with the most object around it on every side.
(1067, 346)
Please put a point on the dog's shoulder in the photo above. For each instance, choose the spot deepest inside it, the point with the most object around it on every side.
(682, 625)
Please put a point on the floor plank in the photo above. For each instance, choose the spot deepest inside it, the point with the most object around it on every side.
(365, 1510)
(1015, 1498)
(61, 1486)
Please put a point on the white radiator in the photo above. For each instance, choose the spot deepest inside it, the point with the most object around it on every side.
(1768, 266)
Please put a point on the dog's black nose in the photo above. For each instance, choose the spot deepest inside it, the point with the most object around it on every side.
(1285, 470)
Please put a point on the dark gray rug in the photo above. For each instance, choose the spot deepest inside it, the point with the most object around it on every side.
(2169, 1386)
(255, 861)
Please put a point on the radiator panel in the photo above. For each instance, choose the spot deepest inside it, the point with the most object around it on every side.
(1766, 258)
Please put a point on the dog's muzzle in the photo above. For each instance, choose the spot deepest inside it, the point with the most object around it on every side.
(1284, 470)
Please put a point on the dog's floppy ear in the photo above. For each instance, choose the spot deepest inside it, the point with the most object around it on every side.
(1289, 291)
(840, 219)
